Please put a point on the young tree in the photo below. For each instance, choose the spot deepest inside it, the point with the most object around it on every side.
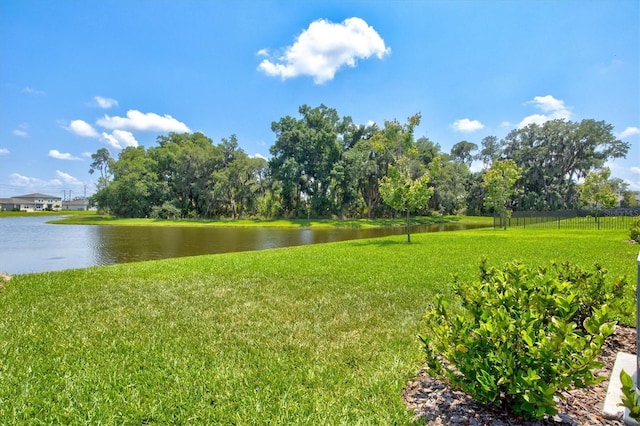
(402, 192)
(499, 182)
(599, 191)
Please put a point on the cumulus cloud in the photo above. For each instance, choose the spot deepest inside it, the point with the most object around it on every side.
(16, 179)
(553, 109)
(119, 139)
(146, 122)
(4, 151)
(67, 178)
(82, 128)
(105, 103)
(466, 125)
(54, 153)
(629, 131)
(325, 47)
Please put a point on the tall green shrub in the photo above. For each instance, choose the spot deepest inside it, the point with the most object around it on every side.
(514, 341)
(634, 231)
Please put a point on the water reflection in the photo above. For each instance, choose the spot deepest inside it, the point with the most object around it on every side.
(28, 244)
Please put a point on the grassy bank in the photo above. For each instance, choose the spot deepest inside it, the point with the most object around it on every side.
(56, 213)
(267, 223)
(321, 334)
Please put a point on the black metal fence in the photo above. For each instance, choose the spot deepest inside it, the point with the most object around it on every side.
(621, 218)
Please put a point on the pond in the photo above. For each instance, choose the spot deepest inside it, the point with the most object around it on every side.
(29, 244)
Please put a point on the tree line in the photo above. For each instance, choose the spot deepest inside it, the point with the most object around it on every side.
(324, 165)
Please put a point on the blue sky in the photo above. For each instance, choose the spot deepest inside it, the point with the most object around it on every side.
(77, 76)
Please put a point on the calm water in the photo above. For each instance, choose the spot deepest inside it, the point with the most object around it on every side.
(29, 244)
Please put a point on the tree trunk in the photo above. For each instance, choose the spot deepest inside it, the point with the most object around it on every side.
(408, 230)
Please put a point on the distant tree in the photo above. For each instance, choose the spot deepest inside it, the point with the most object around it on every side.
(403, 193)
(449, 180)
(366, 165)
(599, 191)
(427, 150)
(630, 198)
(102, 162)
(462, 151)
(556, 155)
(135, 183)
(303, 156)
(499, 182)
(491, 151)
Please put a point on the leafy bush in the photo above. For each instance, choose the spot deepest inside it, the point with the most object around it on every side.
(166, 211)
(630, 399)
(593, 290)
(634, 231)
(515, 342)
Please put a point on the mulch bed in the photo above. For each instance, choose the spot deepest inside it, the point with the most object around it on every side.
(434, 402)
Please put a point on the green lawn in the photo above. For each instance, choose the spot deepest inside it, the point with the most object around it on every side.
(322, 334)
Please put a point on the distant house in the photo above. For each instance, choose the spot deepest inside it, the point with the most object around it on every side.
(77, 205)
(31, 203)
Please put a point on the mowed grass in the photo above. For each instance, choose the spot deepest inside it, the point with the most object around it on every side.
(322, 334)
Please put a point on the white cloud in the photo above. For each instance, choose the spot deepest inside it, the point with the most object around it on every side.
(324, 48)
(105, 103)
(119, 139)
(263, 52)
(553, 108)
(629, 131)
(149, 122)
(82, 128)
(630, 175)
(466, 125)
(16, 179)
(67, 178)
(31, 91)
(54, 153)
(21, 133)
(256, 155)
(4, 151)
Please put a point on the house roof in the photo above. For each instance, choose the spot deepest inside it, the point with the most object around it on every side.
(38, 195)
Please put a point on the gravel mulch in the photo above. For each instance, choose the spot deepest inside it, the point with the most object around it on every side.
(436, 403)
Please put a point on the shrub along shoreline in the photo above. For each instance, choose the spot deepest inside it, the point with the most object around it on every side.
(323, 334)
(271, 223)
